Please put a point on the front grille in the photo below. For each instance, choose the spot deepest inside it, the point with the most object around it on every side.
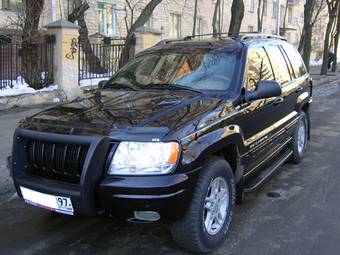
(58, 161)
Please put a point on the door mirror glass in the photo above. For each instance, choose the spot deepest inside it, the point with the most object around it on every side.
(265, 89)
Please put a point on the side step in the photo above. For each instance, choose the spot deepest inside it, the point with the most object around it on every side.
(264, 176)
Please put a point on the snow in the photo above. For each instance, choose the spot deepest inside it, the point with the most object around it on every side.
(92, 82)
(94, 78)
(316, 62)
(21, 87)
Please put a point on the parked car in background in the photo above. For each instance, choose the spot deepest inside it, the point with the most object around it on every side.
(180, 133)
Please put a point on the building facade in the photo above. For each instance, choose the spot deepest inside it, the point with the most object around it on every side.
(173, 19)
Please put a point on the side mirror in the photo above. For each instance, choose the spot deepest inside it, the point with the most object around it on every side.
(102, 84)
(265, 89)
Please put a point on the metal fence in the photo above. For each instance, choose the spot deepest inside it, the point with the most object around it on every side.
(98, 60)
(11, 65)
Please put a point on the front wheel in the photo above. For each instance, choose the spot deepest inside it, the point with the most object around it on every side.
(205, 224)
(300, 139)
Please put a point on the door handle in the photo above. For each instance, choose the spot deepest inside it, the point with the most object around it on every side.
(298, 89)
(278, 100)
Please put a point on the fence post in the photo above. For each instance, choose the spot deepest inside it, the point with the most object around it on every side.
(65, 62)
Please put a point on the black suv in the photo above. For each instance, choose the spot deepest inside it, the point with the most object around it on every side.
(181, 132)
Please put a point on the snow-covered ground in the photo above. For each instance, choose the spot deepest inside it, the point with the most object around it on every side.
(92, 82)
(316, 62)
(20, 87)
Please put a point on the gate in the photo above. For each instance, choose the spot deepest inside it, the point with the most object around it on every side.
(11, 65)
(98, 60)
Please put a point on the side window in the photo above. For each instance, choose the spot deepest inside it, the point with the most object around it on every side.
(258, 68)
(279, 64)
(295, 59)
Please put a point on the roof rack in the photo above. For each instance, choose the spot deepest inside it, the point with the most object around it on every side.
(237, 36)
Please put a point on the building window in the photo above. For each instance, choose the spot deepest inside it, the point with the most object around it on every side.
(12, 5)
(274, 13)
(199, 26)
(107, 19)
(250, 29)
(251, 5)
(282, 14)
(290, 15)
(176, 26)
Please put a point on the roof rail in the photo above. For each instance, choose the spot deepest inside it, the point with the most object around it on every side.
(248, 36)
(237, 36)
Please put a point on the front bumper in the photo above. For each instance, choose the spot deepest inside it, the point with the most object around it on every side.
(169, 195)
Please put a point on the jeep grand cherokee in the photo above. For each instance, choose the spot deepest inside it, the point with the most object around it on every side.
(181, 132)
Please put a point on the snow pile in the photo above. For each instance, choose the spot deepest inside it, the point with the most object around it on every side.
(21, 87)
(92, 82)
(316, 62)
(88, 79)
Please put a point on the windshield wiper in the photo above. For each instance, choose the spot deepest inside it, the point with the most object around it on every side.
(171, 86)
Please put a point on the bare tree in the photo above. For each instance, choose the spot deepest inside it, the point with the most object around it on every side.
(336, 40)
(332, 7)
(312, 10)
(216, 18)
(78, 14)
(30, 40)
(284, 20)
(195, 19)
(237, 13)
(130, 38)
(261, 5)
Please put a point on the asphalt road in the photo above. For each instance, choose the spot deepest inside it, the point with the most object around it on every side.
(303, 219)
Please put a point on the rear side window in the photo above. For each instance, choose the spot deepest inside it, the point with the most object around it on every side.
(258, 67)
(279, 64)
(295, 59)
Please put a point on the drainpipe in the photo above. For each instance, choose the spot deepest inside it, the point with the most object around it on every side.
(53, 10)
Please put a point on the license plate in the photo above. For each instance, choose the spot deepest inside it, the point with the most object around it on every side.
(55, 203)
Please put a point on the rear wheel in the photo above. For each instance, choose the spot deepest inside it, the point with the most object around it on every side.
(205, 224)
(300, 139)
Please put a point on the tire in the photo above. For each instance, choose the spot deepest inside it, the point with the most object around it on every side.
(191, 232)
(300, 148)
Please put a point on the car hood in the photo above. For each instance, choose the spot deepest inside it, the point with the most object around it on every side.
(118, 112)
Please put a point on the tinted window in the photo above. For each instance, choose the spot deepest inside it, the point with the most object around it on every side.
(279, 65)
(258, 67)
(201, 69)
(295, 59)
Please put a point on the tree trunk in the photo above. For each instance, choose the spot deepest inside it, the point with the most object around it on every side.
(336, 40)
(259, 15)
(215, 18)
(141, 20)
(195, 19)
(284, 20)
(302, 40)
(307, 48)
(78, 14)
(237, 13)
(30, 46)
(325, 59)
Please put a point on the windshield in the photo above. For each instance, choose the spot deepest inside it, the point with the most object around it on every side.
(197, 70)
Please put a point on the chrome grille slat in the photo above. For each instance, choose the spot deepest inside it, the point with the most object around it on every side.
(58, 161)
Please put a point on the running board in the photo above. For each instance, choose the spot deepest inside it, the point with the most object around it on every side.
(263, 177)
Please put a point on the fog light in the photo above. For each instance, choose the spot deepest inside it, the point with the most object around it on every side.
(146, 216)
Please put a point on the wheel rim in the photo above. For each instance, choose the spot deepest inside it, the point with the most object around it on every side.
(215, 205)
(301, 136)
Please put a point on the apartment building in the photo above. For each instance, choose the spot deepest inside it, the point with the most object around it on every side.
(172, 18)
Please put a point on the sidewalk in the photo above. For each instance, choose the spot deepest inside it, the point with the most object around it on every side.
(323, 79)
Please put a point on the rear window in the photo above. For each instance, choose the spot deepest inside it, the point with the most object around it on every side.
(279, 64)
(295, 59)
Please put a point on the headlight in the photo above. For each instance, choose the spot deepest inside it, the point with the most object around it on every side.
(143, 158)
